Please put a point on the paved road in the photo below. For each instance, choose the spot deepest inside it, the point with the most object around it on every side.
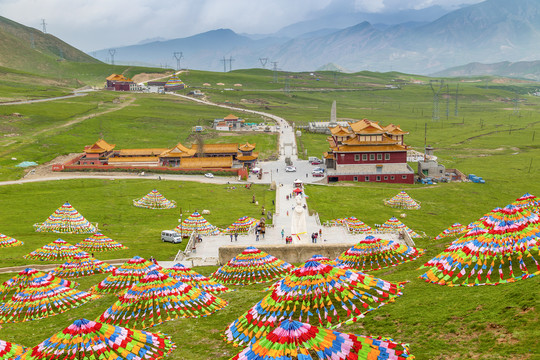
(75, 94)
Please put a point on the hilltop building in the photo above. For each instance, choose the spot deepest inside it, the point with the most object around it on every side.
(118, 82)
(368, 152)
(211, 156)
(229, 123)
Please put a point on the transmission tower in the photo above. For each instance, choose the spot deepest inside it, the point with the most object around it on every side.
(516, 104)
(111, 53)
(287, 88)
(263, 62)
(178, 56)
(447, 101)
(32, 42)
(224, 61)
(456, 106)
(274, 63)
(44, 26)
(230, 60)
(436, 92)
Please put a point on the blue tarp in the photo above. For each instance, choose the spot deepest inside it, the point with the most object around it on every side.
(27, 164)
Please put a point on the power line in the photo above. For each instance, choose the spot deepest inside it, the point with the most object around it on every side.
(436, 92)
(178, 56)
(224, 61)
(263, 62)
(44, 26)
(111, 53)
(274, 63)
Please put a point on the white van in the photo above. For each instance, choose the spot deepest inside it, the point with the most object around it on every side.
(171, 236)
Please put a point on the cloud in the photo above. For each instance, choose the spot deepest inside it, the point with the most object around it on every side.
(98, 24)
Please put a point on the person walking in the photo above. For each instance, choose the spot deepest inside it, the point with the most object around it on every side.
(320, 232)
(282, 233)
(231, 234)
(235, 235)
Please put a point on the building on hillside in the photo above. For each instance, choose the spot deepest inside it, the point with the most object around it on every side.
(156, 86)
(179, 156)
(229, 122)
(97, 154)
(118, 82)
(368, 152)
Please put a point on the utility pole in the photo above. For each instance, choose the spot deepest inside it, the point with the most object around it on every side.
(263, 62)
(274, 63)
(111, 53)
(224, 61)
(44, 26)
(436, 92)
(456, 106)
(447, 101)
(178, 56)
(230, 62)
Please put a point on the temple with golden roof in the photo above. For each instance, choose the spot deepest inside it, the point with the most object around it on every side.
(215, 156)
(365, 151)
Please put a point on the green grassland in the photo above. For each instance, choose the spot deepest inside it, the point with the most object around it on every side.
(487, 137)
(151, 121)
(109, 203)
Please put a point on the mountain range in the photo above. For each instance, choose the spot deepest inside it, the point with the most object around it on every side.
(490, 31)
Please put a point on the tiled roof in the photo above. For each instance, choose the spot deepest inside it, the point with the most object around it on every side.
(366, 126)
(178, 151)
(134, 159)
(99, 147)
(230, 117)
(247, 147)
(140, 152)
(251, 157)
(217, 148)
(395, 130)
(206, 162)
(340, 131)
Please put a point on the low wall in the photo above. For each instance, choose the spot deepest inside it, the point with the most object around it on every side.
(290, 253)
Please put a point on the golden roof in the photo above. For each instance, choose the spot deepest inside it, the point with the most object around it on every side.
(247, 147)
(134, 159)
(117, 77)
(206, 162)
(230, 117)
(247, 157)
(99, 147)
(340, 131)
(217, 148)
(328, 155)
(395, 130)
(366, 126)
(178, 151)
(369, 148)
(141, 152)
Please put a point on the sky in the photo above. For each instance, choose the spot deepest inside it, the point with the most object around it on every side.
(99, 24)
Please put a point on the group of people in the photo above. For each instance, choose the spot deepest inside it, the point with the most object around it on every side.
(235, 236)
(260, 230)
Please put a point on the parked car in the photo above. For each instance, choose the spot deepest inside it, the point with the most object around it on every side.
(317, 173)
(171, 236)
(315, 161)
(319, 169)
(209, 175)
(290, 169)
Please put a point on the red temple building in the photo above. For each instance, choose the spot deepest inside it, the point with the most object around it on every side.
(368, 152)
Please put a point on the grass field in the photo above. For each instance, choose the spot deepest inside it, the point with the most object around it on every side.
(491, 136)
(109, 203)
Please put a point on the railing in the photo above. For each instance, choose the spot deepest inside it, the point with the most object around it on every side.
(189, 248)
(317, 219)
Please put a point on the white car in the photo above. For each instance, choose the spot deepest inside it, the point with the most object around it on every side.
(209, 175)
(290, 169)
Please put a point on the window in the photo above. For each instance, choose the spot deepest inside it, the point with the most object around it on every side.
(404, 177)
(392, 177)
(379, 156)
(355, 178)
(356, 157)
(367, 178)
(372, 157)
(378, 178)
(387, 156)
(364, 157)
(386, 178)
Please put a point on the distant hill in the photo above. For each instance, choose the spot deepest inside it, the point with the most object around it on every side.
(25, 48)
(490, 31)
(521, 70)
